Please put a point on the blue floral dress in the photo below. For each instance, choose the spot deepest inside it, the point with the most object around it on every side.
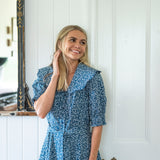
(73, 113)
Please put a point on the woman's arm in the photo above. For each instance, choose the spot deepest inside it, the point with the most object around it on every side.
(95, 142)
(45, 101)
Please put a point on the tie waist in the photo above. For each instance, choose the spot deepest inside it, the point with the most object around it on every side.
(66, 131)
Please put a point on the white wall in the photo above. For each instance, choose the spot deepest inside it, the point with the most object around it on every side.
(7, 11)
(124, 38)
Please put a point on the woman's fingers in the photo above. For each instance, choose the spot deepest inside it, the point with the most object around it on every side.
(55, 62)
(57, 54)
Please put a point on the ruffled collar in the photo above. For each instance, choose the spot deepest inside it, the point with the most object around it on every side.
(81, 76)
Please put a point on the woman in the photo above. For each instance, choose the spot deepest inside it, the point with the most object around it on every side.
(72, 97)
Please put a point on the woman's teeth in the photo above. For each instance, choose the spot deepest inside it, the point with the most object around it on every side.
(75, 51)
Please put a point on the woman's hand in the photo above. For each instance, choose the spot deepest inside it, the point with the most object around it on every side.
(55, 62)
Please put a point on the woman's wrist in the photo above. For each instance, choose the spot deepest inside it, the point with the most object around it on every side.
(55, 76)
(92, 158)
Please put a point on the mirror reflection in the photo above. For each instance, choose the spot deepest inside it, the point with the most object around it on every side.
(8, 56)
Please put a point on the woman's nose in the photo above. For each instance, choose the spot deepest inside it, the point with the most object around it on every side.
(77, 45)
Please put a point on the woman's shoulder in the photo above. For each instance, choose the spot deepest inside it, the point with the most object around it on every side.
(44, 71)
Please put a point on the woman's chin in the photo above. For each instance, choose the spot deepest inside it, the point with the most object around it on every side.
(74, 57)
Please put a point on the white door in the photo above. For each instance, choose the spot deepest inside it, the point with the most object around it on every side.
(130, 60)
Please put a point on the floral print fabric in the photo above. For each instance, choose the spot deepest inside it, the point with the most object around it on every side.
(73, 113)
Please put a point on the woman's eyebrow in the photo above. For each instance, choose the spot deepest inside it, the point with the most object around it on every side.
(76, 38)
(83, 40)
(73, 37)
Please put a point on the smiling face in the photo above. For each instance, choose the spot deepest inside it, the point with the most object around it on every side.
(74, 45)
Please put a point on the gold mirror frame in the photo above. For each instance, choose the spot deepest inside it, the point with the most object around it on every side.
(25, 106)
(24, 103)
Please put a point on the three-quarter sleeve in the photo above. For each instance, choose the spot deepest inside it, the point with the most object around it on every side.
(38, 86)
(97, 101)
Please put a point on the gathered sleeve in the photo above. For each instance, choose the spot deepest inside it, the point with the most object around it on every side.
(39, 86)
(97, 101)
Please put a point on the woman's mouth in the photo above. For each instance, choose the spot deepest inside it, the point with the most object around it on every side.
(75, 51)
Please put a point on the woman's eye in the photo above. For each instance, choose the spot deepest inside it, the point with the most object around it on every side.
(72, 40)
(83, 42)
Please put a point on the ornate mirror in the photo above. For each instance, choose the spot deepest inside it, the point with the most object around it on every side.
(14, 98)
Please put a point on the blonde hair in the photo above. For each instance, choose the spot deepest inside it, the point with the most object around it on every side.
(62, 82)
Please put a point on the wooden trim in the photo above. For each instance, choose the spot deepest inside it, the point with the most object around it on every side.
(26, 114)
(17, 113)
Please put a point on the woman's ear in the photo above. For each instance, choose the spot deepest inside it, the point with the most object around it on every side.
(60, 45)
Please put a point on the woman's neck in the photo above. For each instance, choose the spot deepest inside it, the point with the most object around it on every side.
(72, 66)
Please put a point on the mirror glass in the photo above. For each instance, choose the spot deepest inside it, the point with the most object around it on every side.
(8, 55)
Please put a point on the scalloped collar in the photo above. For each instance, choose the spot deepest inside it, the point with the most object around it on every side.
(82, 75)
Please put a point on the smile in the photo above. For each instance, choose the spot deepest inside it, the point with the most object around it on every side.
(75, 51)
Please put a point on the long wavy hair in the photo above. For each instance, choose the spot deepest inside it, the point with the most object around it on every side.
(63, 67)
